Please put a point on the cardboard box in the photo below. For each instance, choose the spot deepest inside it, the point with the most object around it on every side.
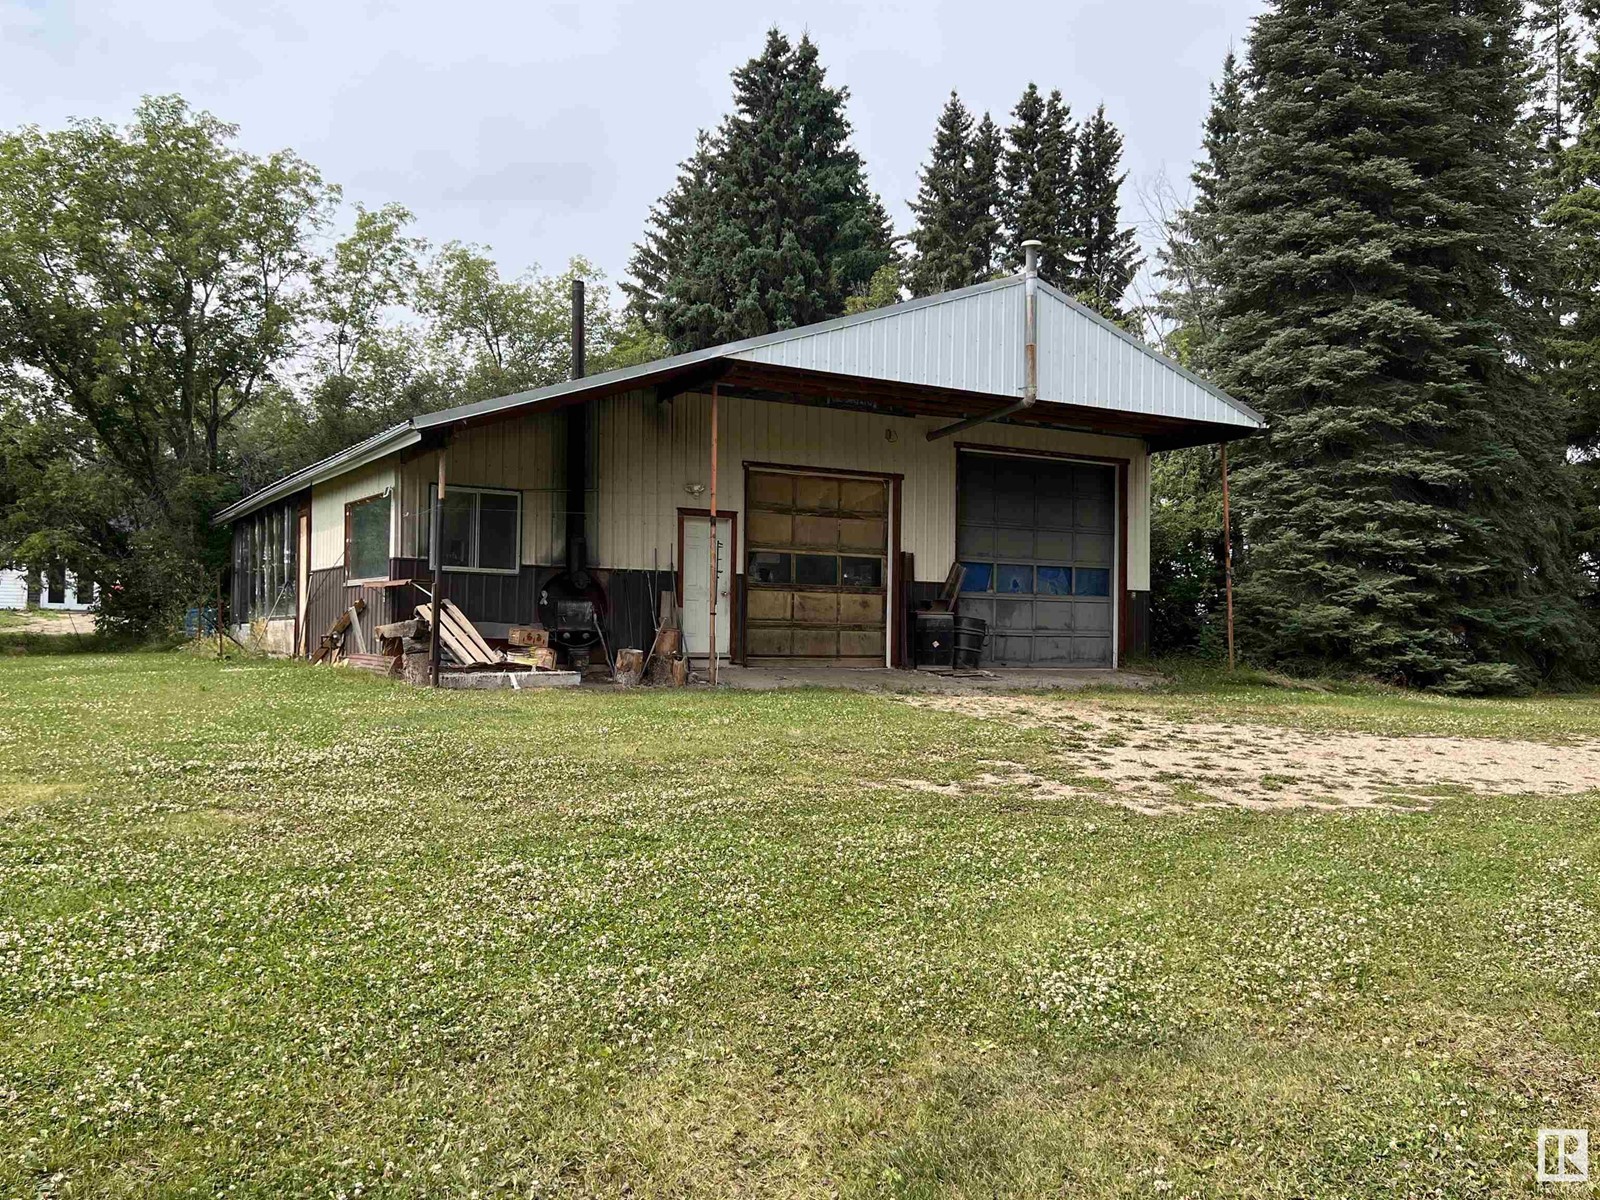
(529, 635)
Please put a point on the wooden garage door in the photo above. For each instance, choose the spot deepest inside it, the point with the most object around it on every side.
(1038, 540)
(817, 568)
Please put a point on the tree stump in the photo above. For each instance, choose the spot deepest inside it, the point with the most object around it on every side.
(630, 667)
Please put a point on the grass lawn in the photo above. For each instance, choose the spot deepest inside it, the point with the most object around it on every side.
(274, 930)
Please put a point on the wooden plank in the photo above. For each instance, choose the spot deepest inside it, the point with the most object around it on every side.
(455, 629)
(467, 628)
(333, 641)
(352, 615)
(462, 654)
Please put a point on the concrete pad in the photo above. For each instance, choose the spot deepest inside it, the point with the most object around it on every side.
(516, 681)
(999, 679)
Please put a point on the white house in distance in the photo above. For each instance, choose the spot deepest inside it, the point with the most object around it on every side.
(57, 590)
(1001, 426)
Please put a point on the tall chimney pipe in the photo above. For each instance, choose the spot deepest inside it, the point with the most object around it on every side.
(577, 449)
(1030, 329)
(577, 329)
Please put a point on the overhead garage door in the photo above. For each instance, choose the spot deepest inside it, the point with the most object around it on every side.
(1037, 538)
(816, 570)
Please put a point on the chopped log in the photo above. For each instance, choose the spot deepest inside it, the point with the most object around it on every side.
(630, 667)
(680, 672)
(414, 628)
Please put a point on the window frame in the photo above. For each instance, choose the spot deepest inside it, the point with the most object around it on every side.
(349, 537)
(474, 538)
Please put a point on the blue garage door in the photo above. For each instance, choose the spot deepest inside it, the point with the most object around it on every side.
(1038, 540)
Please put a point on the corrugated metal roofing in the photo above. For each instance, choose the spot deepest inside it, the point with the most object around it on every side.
(967, 340)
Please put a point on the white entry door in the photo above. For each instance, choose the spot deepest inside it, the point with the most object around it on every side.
(697, 584)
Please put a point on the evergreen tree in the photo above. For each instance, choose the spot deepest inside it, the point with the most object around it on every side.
(1555, 30)
(1186, 546)
(984, 201)
(1036, 175)
(957, 231)
(659, 254)
(1405, 513)
(1189, 261)
(944, 255)
(1109, 256)
(772, 224)
(1573, 224)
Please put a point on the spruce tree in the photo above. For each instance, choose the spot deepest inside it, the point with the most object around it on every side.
(1573, 225)
(944, 253)
(784, 228)
(685, 210)
(1190, 258)
(1109, 255)
(983, 199)
(1036, 176)
(1404, 515)
(956, 235)
(1186, 536)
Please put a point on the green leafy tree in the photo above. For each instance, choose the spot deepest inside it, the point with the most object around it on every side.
(1406, 513)
(152, 282)
(1109, 256)
(956, 235)
(1037, 197)
(772, 224)
(882, 289)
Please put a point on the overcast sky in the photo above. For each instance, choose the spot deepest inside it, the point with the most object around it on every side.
(546, 129)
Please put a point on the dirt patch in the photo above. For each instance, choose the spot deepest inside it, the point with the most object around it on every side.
(55, 621)
(1154, 765)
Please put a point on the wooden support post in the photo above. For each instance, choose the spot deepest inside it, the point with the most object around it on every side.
(711, 542)
(218, 618)
(436, 563)
(1227, 552)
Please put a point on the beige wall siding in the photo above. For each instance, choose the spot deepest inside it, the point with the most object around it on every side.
(525, 452)
(651, 454)
(327, 509)
(646, 456)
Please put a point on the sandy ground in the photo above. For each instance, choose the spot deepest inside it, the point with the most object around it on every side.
(38, 620)
(1154, 765)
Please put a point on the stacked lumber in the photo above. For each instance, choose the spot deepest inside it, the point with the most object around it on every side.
(387, 665)
(460, 638)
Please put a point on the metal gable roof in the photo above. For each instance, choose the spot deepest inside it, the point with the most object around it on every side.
(967, 340)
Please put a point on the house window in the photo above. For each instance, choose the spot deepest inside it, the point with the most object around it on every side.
(366, 532)
(481, 529)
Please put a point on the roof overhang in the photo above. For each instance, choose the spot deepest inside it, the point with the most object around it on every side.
(956, 356)
(380, 445)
